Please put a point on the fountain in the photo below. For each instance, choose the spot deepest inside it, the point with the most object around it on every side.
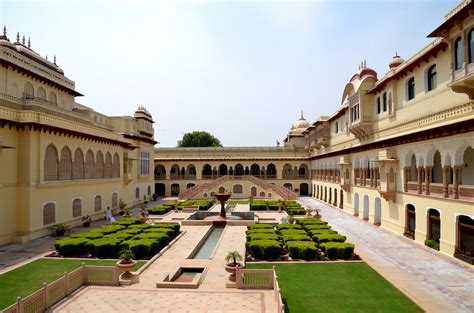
(222, 197)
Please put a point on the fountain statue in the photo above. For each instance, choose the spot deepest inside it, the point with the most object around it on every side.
(222, 197)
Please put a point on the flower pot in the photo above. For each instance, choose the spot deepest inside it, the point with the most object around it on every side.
(86, 224)
(230, 268)
(126, 267)
(60, 232)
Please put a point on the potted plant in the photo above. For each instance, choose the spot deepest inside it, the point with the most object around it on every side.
(60, 229)
(154, 196)
(291, 218)
(317, 213)
(126, 262)
(86, 221)
(231, 267)
(122, 206)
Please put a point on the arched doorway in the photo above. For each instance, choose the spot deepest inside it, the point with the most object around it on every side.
(206, 171)
(304, 189)
(288, 186)
(356, 204)
(365, 216)
(160, 172)
(174, 189)
(255, 170)
(271, 171)
(434, 225)
(341, 199)
(410, 221)
(253, 191)
(239, 170)
(378, 212)
(465, 239)
(160, 190)
(223, 170)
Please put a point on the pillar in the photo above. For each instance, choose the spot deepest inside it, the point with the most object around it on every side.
(428, 174)
(446, 172)
(419, 179)
(405, 178)
(456, 180)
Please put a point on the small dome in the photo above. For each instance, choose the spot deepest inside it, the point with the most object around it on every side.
(300, 124)
(396, 61)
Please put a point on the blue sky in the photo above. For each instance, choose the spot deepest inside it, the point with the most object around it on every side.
(241, 70)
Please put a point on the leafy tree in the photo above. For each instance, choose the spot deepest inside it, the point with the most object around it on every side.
(199, 139)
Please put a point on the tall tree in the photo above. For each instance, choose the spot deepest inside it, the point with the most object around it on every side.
(199, 139)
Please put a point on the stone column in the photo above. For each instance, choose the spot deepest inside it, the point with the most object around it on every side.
(456, 180)
(446, 171)
(372, 178)
(364, 176)
(405, 178)
(419, 179)
(428, 173)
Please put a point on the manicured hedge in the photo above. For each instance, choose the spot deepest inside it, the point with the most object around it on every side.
(258, 205)
(260, 230)
(71, 246)
(127, 221)
(316, 226)
(318, 231)
(92, 234)
(321, 238)
(292, 231)
(162, 238)
(159, 210)
(173, 226)
(167, 231)
(255, 226)
(338, 250)
(310, 221)
(139, 226)
(141, 247)
(108, 229)
(295, 237)
(302, 250)
(119, 236)
(103, 247)
(202, 204)
(296, 211)
(264, 249)
(289, 226)
(132, 231)
(262, 236)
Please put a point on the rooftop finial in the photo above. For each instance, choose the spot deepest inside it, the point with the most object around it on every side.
(55, 59)
(18, 37)
(29, 42)
(23, 40)
(5, 30)
(365, 63)
(302, 114)
(46, 57)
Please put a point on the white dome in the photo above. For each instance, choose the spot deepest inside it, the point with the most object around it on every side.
(302, 123)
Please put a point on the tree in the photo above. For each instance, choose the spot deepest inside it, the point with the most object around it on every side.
(199, 139)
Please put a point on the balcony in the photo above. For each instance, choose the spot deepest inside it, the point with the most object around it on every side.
(361, 130)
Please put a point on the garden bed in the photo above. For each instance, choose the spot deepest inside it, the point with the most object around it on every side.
(106, 242)
(310, 239)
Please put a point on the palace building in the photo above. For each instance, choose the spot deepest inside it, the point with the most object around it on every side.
(398, 153)
(61, 160)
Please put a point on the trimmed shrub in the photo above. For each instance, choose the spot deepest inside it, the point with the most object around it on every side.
(338, 250)
(159, 210)
(288, 226)
(262, 236)
(119, 236)
(295, 237)
(132, 231)
(302, 249)
(109, 229)
(93, 234)
(71, 246)
(139, 226)
(162, 238)
(167, 231)
(318, 231)
(255, 226)
(258, 205)
(103, 248)
(173, 226)
(296, 211)
(291, 231)
(321, 238)
(309, 227)
(141, 247)
(433, 244)
(260, 230)
(264, 249)
(127, 221)
(310, 221)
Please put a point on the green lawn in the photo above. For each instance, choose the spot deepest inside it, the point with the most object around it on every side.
(337, 287)
(237, 202)
(28, 278)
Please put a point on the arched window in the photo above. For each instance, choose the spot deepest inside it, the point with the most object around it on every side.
(89, 166)
(255, 169)
(431, 77)
(271, 171)
(51, 164)
(52, 98)
(65, 164)
(49, 213)
(114, 200)
(437, 176)
(78, 165)
(458, 53)
(160, 172)
(41, 93)
(384, 102)
(237, 189)
(99, 165)
(116, 166)
(98, 203)
(76, 208)
(411, 89)
(378, 105)
(471, 46)
(108, 166)
(28, 91)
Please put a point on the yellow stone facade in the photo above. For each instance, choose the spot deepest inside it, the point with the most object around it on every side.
(61, 160)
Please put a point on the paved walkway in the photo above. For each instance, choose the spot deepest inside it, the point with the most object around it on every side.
(434, 281)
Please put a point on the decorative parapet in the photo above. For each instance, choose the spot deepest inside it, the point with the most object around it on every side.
(456, 9)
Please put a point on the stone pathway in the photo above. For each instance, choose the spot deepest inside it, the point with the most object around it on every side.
(434, 281)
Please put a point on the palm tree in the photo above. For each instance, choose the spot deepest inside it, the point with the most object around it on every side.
(234, 256)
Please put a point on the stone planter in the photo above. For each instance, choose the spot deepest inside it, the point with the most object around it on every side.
(126, 267)
(230, 268)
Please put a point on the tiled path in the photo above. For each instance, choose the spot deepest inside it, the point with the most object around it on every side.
(436, 282)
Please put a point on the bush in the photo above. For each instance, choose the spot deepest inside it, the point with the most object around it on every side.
(92, 234)
(291, 231)
(296, 211)
(302, 249)
(338, 250)
(159, 210)
(255, 226)
(321, 238)
(288, 226)
(132, 231)
(264, 249)
(260, 230)
(310, 221)
(262, 236)
(103, 247)
(309, 227)
(71, 246)
(162, 238)
(141, 247)
(433, 244)
(295, 237)
(139, 226)
(173, 226)
(318, 231)
(119, 236)
(108, 229)
(127, 221)
(155, 230)
(258, 205)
